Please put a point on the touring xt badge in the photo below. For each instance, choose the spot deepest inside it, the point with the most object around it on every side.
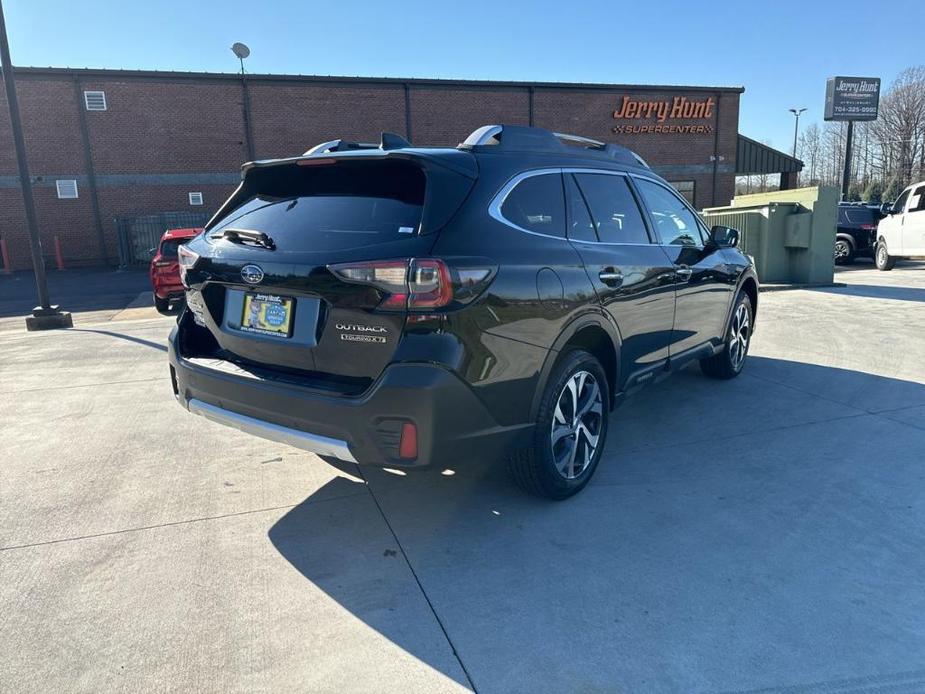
(355, 332)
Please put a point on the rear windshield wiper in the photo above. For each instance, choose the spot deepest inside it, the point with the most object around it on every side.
(246, 237)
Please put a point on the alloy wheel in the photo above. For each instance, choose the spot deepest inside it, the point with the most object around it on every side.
(842, 250)
(739, 333)
(576, 424)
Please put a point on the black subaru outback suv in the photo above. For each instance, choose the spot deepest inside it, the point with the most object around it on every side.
(402, 306)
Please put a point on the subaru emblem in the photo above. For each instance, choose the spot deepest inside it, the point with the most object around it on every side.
(251, 274)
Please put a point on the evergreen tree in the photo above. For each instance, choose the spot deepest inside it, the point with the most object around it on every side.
(893, 189)
(854, 193)
(874, 192)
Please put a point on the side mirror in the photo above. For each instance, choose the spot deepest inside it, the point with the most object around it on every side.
(886, 209)
(724, 237)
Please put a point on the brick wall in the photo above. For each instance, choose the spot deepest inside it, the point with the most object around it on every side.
(165, 134)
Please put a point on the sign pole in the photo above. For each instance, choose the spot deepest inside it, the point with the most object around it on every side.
(44, 316)
(846, 174)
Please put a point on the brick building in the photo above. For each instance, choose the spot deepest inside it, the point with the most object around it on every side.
(107, 146)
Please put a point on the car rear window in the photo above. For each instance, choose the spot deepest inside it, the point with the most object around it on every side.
(856, 215)
(333, 207)
(170, 246)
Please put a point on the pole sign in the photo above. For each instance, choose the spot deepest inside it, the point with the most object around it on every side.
(852, 98)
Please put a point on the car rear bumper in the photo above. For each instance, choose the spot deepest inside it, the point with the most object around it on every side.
(169, 291)
(453, 425)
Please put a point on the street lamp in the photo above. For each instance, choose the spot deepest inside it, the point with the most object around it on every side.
(796, 128)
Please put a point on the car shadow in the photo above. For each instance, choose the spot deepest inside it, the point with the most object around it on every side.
(76, 291)
(875, 291)
(868, 264)
(728, 522)
(122, 336)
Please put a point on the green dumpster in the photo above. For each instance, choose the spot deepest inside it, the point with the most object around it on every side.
(789, 233)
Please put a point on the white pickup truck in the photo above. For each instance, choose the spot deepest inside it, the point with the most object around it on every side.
(901, 233)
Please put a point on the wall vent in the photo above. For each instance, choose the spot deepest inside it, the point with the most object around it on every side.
(67, 188)
(95, 101)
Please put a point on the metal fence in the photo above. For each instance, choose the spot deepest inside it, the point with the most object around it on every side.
(138, 235)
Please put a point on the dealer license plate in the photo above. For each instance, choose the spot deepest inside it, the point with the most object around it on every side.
(267, 314)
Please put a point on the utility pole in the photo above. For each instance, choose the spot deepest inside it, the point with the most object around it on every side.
(796, 128)
(44, 316)
(846, 174)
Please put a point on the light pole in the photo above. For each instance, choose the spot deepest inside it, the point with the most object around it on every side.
(796, 128)
(242, 52)
(44, 316)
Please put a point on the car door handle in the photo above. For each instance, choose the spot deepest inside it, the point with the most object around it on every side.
(611, 277)
(684, 272)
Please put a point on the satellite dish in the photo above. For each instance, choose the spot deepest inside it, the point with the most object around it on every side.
(240, 50)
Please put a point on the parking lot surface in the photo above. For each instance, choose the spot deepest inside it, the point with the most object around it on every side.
(762, 534)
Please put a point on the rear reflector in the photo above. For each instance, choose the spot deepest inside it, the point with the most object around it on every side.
(408, 445)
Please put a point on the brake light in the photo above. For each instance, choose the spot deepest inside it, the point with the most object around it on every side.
(187, 260)
(868, 227)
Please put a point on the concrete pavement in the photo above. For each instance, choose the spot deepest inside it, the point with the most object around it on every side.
(763, 534)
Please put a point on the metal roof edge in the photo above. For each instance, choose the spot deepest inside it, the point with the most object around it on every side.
(30, 71)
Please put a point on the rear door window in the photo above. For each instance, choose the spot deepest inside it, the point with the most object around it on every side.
(537, 204)
(857, 215)
(323, 208)
(616, 215)
(917, 204)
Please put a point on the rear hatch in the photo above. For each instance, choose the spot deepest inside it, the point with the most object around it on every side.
(305, 272)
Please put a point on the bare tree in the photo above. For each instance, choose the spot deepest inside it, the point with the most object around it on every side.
(900, 128)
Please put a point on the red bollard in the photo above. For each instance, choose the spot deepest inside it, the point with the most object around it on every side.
(5, 254)
(59, 257)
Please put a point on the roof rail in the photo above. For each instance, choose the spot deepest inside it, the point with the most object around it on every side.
(531, 139)
(388, 141)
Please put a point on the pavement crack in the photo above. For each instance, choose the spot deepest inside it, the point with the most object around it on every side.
(84, 385)
(417, 580)
(169, 524)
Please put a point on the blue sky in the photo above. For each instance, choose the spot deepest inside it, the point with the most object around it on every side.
(781, 52)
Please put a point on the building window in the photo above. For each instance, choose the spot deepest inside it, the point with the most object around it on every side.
(686, 188)
(67, 188)
(195, 198)
(95, 101)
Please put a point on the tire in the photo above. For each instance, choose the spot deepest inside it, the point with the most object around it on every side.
(162, 305)
(882, 257)
(844, 252)
(566, 450)
(729, 363)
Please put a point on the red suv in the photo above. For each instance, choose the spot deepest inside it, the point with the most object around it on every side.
(165, 271)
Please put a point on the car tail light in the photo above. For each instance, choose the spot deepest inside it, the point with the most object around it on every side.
(429, 284)
(417, 284)
(408, 444)
(868, 227)
(187, 260)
